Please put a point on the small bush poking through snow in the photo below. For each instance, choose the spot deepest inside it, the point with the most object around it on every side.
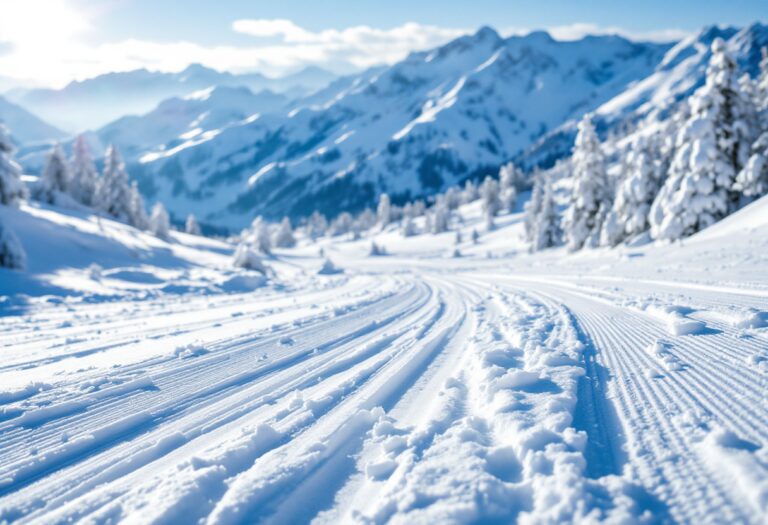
(248, 259)
(377, 250)
(328, 268)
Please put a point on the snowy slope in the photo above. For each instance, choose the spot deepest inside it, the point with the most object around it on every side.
(94, 102)
(433, 119)
(84, 245)
(25, 126)
(621, 385)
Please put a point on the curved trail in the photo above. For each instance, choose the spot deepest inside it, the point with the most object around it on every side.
(420, 396)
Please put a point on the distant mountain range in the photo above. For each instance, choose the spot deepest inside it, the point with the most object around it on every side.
(411, 129)
(437, 118)
(26, 127)
(95, 102)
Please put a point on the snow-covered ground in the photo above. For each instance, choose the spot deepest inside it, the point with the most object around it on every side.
(423, 386)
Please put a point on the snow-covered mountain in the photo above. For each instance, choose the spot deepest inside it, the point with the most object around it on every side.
(434, 119)
(97, 101)
(172, 122)
(25, 126)
(178, 119)
(680, 72)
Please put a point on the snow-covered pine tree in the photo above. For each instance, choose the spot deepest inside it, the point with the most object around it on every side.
(712, 147)
(590, 195)
(533, 206)
(752, 180)
(248, 259)
(84, 177)
(113, 193)
(137, 211)
(510, 178)
(384, 211)
(440, 216)
(407, 228)
(761, 84)
(317, 225)
(366, 220)
(11, 188)
(342, 224)
(453, 197)
(634, 196)
(191, 226)
(258, 236)
(470, 193)
(284, 235)
(419, 208)
(160, 222)
(489, 193)
(54, 182)
(12, 254)
(546, 232)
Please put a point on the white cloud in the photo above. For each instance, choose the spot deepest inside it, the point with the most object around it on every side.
(51, 49)
(580, 30)
(33, 54)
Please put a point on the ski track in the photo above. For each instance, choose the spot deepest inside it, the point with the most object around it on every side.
(412, 397)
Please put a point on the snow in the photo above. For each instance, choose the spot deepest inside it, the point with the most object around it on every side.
(163, 385)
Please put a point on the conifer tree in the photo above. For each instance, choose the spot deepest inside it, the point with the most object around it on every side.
(711, 148)
(113, 193)
(137, 211)
(533, 206)
(84, 177)
(54, 182)
(547, 232)
(284, 236)
(12, 254)
(590, 194)
(191, 226)
(160, 222)
(384, 211)
(11, 188)
(317, 225)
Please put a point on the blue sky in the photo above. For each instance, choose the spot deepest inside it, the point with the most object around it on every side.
(54, 41)
(162, 19)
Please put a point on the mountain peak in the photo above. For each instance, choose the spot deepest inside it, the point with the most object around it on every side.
(709, 33)
(487, 33)
(539, 36)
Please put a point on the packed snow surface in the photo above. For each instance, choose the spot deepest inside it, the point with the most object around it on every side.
(147, 381)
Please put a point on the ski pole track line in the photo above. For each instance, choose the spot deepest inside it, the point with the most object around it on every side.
(420, 396)
(670, 441)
